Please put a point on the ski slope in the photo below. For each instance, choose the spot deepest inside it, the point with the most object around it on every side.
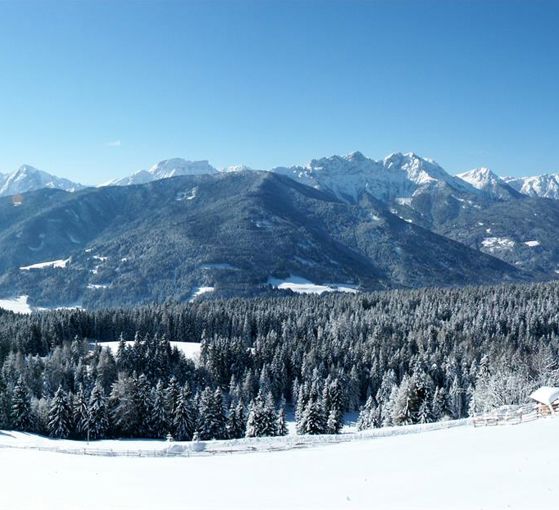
(505, 467)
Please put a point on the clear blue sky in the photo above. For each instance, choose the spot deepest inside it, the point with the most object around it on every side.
(91, 90)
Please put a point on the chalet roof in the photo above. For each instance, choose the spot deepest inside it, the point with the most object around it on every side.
(545, 395)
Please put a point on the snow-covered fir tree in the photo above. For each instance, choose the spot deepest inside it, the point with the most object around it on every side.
(22, 418)
(80, 414)
(98, 425)
(212, 420)
(332, 400)
(184, 417)
(300, 407)
(172, 393)
(262, 418)
(236, 420)
(313, 420)
(281, 424)
(5, 411)
(159, 423)
(60, 415)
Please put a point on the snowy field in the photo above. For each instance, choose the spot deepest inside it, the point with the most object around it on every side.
(21, 305)
(301, 285)
(191, 350)
(17, 304)
(505, 467)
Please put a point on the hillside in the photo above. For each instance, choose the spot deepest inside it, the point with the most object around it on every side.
(229, 234)
(464, 468)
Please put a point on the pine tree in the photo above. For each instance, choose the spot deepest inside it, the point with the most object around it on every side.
(80, 418)
(159, 419)
(334, 406)
(5, 406)
(184, 418)
(270, 418)
(368, 416)
(123, 411)
(281, 425)
(438, 405)
(22, 418)
(172, 393)
(143, 403)
(300, 407)
(424, 414)
(262, 418)
(313, 421)
(408, 402)
(254, 413)
(265, 384)
(212, 419)
(98, 413)
(455, 397)
(122, 352)
(60, 415)
(236, 421)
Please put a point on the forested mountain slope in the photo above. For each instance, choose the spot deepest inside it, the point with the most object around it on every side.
(226, 233)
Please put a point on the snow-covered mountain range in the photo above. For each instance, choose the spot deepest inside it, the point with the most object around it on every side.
(401, 176)
(485, 180)
(164, 170)
(27, 178)
(544, 186)
(364, 223)
(396, 178)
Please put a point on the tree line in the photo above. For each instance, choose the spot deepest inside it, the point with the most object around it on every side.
(396, 357)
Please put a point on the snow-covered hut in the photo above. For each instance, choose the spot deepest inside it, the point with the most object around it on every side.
(547, 398)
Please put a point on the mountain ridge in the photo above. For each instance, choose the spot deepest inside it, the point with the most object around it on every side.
(226, 234)
(28, 178)
(397, 175)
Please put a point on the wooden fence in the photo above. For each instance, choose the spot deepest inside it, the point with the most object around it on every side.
(507, 415)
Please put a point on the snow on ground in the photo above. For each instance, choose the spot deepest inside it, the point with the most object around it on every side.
(17, 305)
(187, 195)
(403, 200)
(491, 468)
(263, 224)
(497, 243)
(532, 244)
(303, 286)
(62, 263)
(191, 350)
(221, 266)
(21, 305)
(97, 286)
(198, 291)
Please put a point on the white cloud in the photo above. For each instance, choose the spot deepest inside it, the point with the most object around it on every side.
(114, 143)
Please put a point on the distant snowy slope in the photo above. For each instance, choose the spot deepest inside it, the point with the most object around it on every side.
(543, 186)
(27, 178)
(396, 176)
(489, 182)
(164, 170)
(17, 305)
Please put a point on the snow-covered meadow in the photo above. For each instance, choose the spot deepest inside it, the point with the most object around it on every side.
(301, 285)
(504, 467)
(191, 350)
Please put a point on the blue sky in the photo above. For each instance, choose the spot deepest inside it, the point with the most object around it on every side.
(91, 90)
